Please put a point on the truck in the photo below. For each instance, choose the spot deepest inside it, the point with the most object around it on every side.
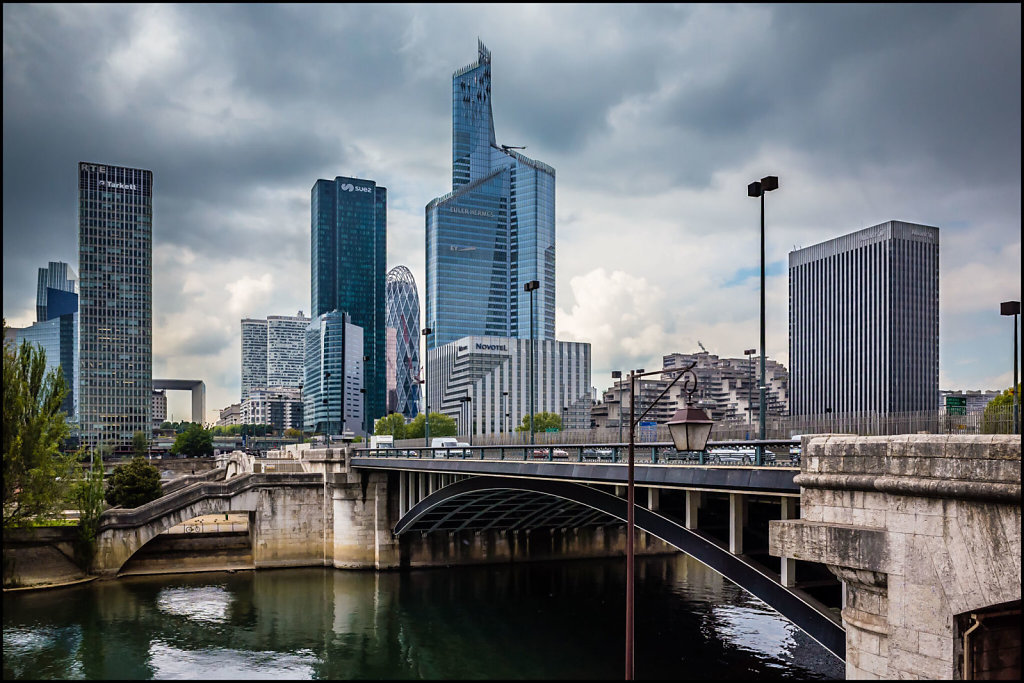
(382, 441)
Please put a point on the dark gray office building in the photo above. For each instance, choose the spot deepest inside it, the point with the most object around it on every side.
(115, 263)
(864, 322)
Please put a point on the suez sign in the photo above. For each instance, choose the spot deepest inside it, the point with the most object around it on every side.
(349, 187)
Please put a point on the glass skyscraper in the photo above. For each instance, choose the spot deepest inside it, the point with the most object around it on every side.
(58, 276)
(332, 392)
(494, 232)
(403, 316)
(349, 250)
(115, 249)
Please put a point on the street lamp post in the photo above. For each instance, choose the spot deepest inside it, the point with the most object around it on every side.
(531, 287)
(505, 412)
(468, 424)
(1013, 308)
(690, 428)
(758, 189)
(750, 382)
(617, 374)
(426, 387)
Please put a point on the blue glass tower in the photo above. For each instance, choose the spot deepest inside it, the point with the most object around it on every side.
(349, 247)
(494, 232)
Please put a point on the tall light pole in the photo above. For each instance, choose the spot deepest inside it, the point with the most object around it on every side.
(750, 383)
(466, 404)
(758, 189)
(531, 287)
(617, 374)
(426, 387)
(1013, 308)
(505, 412)
(690, 428)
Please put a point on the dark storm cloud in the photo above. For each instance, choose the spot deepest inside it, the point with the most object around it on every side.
(238, 109)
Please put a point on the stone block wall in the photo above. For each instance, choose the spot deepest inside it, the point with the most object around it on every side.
(920, 528)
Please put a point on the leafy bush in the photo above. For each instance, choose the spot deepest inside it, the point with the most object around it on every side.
(133, 484)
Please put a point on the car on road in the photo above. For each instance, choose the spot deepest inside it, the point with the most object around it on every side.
(556, 453)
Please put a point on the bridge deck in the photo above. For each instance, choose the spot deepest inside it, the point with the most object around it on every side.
(775, 479)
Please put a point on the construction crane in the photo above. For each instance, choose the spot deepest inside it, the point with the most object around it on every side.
(701, 346)
(508, 147)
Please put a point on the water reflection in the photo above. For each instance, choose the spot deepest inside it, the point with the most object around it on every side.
(543, 620)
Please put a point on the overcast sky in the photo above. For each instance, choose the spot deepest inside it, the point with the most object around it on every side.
(655, 118)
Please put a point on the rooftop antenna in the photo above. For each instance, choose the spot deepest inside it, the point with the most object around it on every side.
(701, 346)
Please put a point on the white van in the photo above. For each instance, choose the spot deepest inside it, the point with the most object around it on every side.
(452, 445)
(382, 441)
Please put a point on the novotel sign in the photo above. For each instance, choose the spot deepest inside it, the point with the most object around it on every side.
(491, 347)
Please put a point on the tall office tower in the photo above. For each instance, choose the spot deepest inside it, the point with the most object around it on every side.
(286, 341)
(58, 276)
(493, 233)
(403, 315)
(115, 249)
(254, 355)
(864, 322)
(349, 248)
(332, 392)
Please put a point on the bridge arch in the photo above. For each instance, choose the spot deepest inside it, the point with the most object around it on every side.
(474, 501)
(115, 545)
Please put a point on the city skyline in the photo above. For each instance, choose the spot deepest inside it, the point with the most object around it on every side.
(656, 119)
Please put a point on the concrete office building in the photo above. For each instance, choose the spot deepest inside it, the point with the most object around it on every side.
(727, 388)
(159, 408)
(864, 322)
(348, 234)
(115, 248)
(494, 374)
(493, 233)
(332, 392)
(280, 407)
(232, 415)
(402, 311)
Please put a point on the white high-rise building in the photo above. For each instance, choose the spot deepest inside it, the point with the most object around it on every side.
(864, 322)
(286, 343)
(254, 355)
(273, 351)
(494, 374)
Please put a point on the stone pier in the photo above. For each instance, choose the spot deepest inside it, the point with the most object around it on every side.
(925, 533)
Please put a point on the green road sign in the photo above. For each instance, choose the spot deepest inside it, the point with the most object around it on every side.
(956, 405)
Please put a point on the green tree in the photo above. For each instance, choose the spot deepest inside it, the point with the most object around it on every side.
(194, 442)
(133, 484)
(36, 475)
(140, 444)
(393, 424)
(542, 422)
(440, 425)
(87, 495)
(292, 433)
(998, 415)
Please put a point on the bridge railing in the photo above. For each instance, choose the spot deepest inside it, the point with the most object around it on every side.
(778, 453)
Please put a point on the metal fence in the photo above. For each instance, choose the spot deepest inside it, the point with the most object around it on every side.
(994, 421)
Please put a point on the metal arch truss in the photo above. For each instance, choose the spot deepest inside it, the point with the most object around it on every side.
(497, 503)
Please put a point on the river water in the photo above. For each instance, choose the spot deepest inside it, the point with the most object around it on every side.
(521, 621)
